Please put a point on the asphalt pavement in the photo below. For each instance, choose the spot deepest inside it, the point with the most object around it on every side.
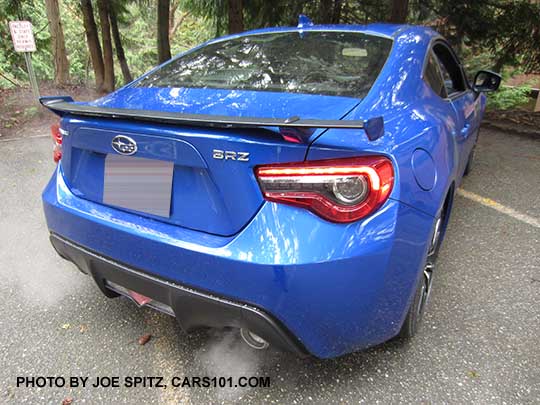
(479, 343)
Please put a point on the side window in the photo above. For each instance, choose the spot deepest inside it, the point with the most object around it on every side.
(433, 76)
(451, 70)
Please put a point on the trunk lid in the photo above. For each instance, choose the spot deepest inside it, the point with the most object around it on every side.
(211, 191)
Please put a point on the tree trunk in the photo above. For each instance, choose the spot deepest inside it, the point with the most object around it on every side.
(121, 56)
(163, 45)
(423, 7)
(336, 14)
(499, 63)
(236, 16)
(108, 64)
(325, 12)
(92, 40)
(61, 64)
(400, 9)
(460, 35)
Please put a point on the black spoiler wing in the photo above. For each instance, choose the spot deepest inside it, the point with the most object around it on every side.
(62, 105)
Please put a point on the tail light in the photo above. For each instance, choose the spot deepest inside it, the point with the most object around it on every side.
(57, 139)
(339, 190)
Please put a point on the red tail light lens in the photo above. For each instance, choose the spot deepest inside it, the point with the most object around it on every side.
(56, 134)
(339, 190)
(57, 139)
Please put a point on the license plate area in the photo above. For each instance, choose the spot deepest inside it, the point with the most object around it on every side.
(138, 184)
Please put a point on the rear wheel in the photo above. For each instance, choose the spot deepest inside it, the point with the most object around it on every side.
(470, 163)
(470, 160)
(423, 289)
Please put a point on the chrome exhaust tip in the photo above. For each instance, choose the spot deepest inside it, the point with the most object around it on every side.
(252, 340)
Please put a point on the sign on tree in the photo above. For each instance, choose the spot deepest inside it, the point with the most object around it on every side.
(22, 36)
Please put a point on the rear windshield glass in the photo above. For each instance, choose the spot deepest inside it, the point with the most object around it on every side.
(329, 63)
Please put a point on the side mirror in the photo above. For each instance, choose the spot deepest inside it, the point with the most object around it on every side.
(486, 81)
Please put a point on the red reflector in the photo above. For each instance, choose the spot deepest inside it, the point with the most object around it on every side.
(339, 190)
(56, 134)
(57, 138)
(57, 153)
(139, 298)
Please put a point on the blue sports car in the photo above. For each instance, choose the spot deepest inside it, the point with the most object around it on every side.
(294, 183)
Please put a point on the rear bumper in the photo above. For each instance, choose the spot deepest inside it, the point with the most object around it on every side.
(333, 288)
(192, 308)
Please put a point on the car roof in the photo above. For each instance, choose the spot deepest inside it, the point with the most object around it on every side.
(379, 29)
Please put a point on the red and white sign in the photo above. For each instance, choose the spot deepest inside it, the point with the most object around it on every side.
(22, 36)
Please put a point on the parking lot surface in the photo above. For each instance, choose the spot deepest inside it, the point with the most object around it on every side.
(479, 342)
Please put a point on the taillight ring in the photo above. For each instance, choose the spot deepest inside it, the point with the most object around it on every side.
(351, 198)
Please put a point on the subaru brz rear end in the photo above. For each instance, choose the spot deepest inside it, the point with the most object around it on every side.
(206, 190)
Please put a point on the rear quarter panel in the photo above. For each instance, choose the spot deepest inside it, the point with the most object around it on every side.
(419, 127)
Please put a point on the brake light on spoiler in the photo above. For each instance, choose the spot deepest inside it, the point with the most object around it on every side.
(338, 190)
(61, 105)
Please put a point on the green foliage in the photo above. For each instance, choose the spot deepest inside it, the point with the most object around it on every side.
(12, 63)
(503, 32)
(487, 33)
(508, 31)
(475, 60)
(509, 97)
(137, 21)
(257, 13)
(516, 36)
(139, 36)
(74, 35)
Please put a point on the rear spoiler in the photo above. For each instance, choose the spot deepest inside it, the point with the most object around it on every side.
(61, 105)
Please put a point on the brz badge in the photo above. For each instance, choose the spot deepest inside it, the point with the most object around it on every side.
(230, 155)
(124, 145)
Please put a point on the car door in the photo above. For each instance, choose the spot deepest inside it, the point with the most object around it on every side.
(463, 99)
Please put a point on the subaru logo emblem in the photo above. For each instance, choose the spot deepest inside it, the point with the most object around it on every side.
(124, 145)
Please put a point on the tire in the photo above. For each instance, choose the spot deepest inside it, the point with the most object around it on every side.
(418, 305)
(470, 162)
(414, 316)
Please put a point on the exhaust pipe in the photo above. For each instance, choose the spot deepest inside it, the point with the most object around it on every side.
(252, 340)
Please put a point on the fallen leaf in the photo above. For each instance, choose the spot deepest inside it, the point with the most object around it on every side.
(144, 339)
(67, 401)
(83, 328)
(472, 374)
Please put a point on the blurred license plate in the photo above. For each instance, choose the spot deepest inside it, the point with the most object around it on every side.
(138, 184)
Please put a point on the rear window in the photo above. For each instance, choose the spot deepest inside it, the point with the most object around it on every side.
(314, 62)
